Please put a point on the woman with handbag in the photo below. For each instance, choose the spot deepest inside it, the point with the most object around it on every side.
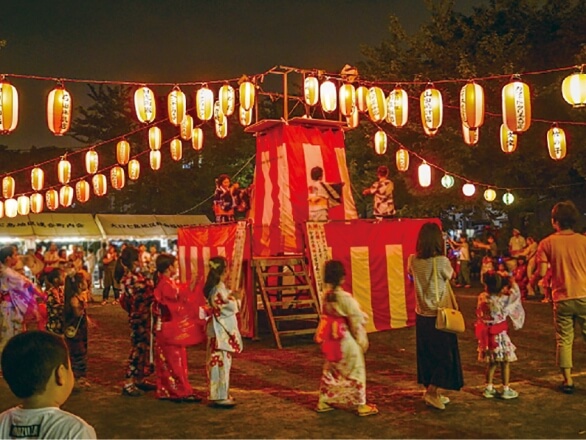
(438, 356)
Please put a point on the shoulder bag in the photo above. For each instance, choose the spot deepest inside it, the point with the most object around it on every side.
(448, 319)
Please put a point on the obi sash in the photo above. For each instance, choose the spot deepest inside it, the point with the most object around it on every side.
(486, 333)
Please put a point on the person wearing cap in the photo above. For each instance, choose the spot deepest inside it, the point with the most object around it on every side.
(382, 189)
(517, 243)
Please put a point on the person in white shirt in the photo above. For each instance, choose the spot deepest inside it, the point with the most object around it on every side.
(37, 369)
(464, 259)
(517, 243)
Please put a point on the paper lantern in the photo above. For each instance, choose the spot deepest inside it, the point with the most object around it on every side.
(197, 139)
(362, 98)
(556, 142)
(204, 103)
(353, 120)
(424, 174)
(402, 159)
(247, 94)
(176, 106)
(23, 205)
(397, 107)
(91, 162)
(155, 138)
(447, 181)
(377, 104)
(82, 191)
(8, 107)
(470, 136)
(517, 106)
(64, 171)
(311, 90)
(37, 203)
(468, 189)
(117, 177)
(227, 98)
(347, 98)
(37, 179)
(186, 128)
(155, 160)
(380, 142)
(176, 148)
(145, 105)
(221, 129)
(245, 116)
(472, 106)
(327, 96)
(508, 139)
(489, 195)
(11, 208)
(431, 110)
(100, 184)
(66, 196)
(122, 152)
(508, 198)
(52, 199)
(8, 186)
(59, 109)
(134, 169)
(219, 117)
(574, 89)
(1, 209)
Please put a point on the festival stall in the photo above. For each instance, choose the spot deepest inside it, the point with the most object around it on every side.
(145, 227)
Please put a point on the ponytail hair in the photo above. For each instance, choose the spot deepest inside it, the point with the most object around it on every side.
(163, 262)
(218, 266)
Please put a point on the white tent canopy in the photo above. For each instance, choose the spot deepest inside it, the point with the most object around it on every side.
(146, 226)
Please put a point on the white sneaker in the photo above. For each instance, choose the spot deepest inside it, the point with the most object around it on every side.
(509, 393)
(489, 393)
(445, 400)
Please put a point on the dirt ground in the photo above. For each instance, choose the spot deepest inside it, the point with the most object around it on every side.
(276, 390)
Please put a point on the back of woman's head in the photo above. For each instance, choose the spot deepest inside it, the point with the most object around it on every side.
(334, 273)
(53, 277)
(163, 262)
(217, 266)
(430, 242)
(494, 282)
(126, 261)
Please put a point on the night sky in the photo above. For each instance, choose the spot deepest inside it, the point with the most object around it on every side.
(180, 40)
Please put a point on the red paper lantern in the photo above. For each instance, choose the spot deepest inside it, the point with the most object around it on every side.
(472, 105)
(66, 196)
(52, 199)
(8, 187)
(100, 184)
(37, 203)
(122, 152)
(8, 107)
(431, 110)
(91, 162)
(63, 171)
(82, 191)
(145, 105)
(117, 177)
(508, 139)
(133, 169)
(176, 106)
(517, 106)
(37, 178)
(59, 109)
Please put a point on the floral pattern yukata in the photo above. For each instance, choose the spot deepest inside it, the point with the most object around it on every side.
(223, 340)
(344, 382)
(55, 310)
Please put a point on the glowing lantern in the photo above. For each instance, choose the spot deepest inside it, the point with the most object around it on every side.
(133, 169)
(23, 205)
(37, 203)
(8, 107)
(362, 98)
(472, 106)
(100, 184)
(327, 95)
(227, 98)
(353, 119)
(471, 137)
(397, 107)
(8, 187)
(468, 189)
(574, 89)
(37, 179)
(82, 191)
(64, 171)
(431, 109)
(247, 95)
(176, 148)
(402, 159)
(517, 106)
(52, 199)
(117, 177)
(204, 103)
(155, 138)
(347, 98)
(155, 160)
(508, 139)
(197, 139)
(424, 173)
(219, 117)
(311, 90)
(176, 106)
(489, 195)
(508, 198)
(66, 196)
(11, 208)
(122, 152)
(91, 162)
(222, 129)
(377, 104)
(1, 209)
(145, 105)
(59, 108)
(380, 142)
(556, 142)
(447, 181)
(244, 116)
(186, 128)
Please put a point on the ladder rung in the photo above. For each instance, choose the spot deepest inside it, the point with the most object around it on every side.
(293, 302)
(282, 274)
(298, 317)
(288, 287)
(277, 261)
(303, 331)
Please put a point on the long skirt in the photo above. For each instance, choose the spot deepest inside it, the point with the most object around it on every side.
(218, 365)
(438, 356)
(139, 365)
(78, 348)
(171, 370)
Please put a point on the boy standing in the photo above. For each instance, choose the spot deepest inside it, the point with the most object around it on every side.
(382, 189)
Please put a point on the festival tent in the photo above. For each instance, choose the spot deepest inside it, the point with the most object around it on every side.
(47, 226)
(142, 227)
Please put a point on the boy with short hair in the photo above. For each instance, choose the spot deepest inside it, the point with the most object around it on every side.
(37, 369)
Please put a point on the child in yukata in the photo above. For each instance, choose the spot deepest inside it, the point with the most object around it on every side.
(322, 196)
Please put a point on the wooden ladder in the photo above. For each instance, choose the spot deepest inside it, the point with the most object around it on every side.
(288, 296)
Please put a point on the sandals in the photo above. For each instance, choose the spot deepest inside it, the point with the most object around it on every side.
(224, 403)
(323, 407)
(131, 390)
(567, 389)
(366, 410)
